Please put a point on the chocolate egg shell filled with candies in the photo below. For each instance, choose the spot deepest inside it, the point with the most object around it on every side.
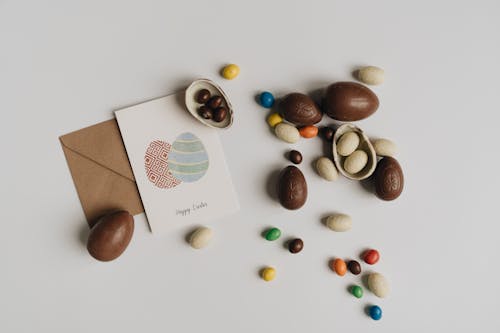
(349, 101)
(364, 145)
(300, 109)
(193, 106)
(389, 179)
(111, 235)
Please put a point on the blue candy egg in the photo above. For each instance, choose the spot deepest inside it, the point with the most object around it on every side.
(188, 159)
(375, 312)
(266, 99)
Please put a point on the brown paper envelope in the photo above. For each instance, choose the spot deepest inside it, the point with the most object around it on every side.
(101, 170)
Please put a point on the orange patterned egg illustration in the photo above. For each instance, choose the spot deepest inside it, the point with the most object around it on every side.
(156, 164)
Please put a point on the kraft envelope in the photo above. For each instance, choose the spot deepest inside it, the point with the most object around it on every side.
(101, 170)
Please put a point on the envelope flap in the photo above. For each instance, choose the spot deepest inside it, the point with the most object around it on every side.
(102, 143)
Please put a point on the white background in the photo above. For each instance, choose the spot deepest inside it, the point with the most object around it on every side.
(65, 65)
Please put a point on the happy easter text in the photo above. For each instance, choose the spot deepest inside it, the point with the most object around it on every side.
(192, 209)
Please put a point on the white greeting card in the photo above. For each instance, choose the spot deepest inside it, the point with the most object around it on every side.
(178, 164)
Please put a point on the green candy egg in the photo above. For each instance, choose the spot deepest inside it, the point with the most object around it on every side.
(357, 291)
(273, 234)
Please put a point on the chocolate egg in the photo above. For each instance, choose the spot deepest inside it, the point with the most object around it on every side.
(300, 109)
(111, 235)
(350, 101)
(389, 180)
(292, 188)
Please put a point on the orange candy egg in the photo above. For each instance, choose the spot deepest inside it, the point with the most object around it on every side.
(308, 131)
(339, 266)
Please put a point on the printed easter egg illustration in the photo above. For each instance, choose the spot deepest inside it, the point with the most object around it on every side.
(188, 159)
(156, 164)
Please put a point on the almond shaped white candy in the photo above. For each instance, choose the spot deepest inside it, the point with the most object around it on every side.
(384, 147)
(287, 132)
(347, 143)
(355, 162)
(326, 169)
(371, 75)
(339, 222)
(377, 283)
(200, 237)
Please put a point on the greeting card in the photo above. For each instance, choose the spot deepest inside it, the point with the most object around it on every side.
(178, 164)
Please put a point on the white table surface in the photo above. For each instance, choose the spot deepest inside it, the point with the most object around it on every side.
(66, 65)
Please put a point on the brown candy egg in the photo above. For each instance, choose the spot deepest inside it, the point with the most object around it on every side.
(350, 101)
(111, 235)
(389, 179)
(292, 188)
(300, 109)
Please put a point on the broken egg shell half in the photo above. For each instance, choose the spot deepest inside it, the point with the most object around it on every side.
(364, 144)
(192, 105)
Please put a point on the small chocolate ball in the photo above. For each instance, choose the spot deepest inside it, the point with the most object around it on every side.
(214, 102)
(220, 114)
(295, 156)
(205, 112)
(296, 245)
(328, 133)
(203, 96)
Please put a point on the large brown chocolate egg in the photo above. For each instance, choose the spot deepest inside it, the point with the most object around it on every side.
(111, 235)
(349, 101)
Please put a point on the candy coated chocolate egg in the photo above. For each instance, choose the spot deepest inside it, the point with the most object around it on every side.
(268, 274)
(292, 188)
(220, 114)
(214, 102)
(308, 131)
(300, 109)
(272, 234)
(295, 157)
(266, 99)
(339, 266)
(188, 160)
(205, 112)
(110, 236)
(274, 119)
(350, 101)
(354, 267)
(203, 96)
(371, 257)
(296, 245)
(230, 71)
(357, 291)
(375, 312)
(328, 133)
(389, 179)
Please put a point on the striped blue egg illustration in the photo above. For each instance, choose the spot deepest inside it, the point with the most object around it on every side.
(188, 159)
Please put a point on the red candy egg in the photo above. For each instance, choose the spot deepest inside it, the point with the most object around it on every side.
(371, 257)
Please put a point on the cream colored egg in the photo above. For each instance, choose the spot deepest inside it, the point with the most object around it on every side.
(384, 147)
(378, 284)
(287, 132)
(200, 237)
(347, 143)
(355, 162)
(339, 222)
(326, 169)
(371, 75)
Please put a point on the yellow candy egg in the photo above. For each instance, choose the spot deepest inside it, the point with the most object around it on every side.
(230, 71)
(274, 119)
(268, 274)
